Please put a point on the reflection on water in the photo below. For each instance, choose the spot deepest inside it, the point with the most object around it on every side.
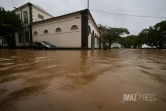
(32, 80)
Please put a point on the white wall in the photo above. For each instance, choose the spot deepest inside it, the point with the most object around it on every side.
(26, 28)
(93, 27)
(116, 45)
(22, 10)
(24, 43)
(17, 40)
(89, 41)
(36, 12)
(65, 39)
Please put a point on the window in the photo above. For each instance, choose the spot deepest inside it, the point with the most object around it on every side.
(25, 17)
(40, 16)
(20, 38)
(89, 30)
(45, 31)
(93, 32)
(35, 33)
(74, 27)
(58, 30)
(26, 36)
(18, 16)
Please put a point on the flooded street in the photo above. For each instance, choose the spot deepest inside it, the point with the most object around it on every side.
(34, 80)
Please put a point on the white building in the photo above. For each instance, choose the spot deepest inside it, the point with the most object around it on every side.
(75, 30)
(116, 45)
(28, 13)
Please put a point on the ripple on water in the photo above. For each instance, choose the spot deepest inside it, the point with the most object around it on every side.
(81, 80)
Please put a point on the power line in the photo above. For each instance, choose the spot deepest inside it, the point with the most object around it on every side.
(126, 14)
(141, 10)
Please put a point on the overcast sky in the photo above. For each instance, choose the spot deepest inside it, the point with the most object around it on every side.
(134, 24)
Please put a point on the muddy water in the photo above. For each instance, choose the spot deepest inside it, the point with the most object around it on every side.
(81, 80)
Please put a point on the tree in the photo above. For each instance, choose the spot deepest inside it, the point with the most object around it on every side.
(104, 34)
(154, 36)
(111, 35)
(9, 24)
(129, 41)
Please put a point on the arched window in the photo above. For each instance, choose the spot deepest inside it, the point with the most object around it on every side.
(89, 30)
(58, 29)
(35, 33)
(74, 27)
(45, 31)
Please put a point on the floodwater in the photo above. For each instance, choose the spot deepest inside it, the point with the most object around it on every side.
(34, 80)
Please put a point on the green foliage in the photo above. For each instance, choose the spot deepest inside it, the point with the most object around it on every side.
(9, 24)
(127, 42)
(154, 36)
(112, 35)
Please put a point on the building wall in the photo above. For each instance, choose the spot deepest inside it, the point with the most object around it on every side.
(36, 12)
(67, 38)
(21, 11)
(26, 26)
(96, 32)
(23, 43)
(17, 40)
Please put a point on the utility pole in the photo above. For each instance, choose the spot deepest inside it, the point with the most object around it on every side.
(88, 4)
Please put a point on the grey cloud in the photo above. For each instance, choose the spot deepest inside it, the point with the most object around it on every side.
(134, 24)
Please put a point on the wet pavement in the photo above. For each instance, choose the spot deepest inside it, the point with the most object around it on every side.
(34, 80)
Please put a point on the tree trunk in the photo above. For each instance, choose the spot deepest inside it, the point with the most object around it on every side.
(110, 44)
(160, 45)
(104, 45)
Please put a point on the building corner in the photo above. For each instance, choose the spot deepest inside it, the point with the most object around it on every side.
(84, 31)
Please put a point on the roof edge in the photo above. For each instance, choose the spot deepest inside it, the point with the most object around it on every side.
(94, 21)
(70, 14)
(59, 16)
(17, 8)
(42, 10)
(29, 3)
